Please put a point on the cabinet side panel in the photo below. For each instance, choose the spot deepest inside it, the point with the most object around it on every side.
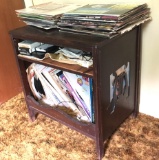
(117, 54)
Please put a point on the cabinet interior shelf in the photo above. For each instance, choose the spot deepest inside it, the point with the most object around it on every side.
(63, 66)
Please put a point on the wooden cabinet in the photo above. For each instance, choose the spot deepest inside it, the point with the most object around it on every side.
(109, 55)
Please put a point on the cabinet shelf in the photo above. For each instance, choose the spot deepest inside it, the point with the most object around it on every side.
(63, 66)
(109, 55)
(82, 42)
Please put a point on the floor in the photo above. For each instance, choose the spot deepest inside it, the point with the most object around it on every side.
(45, 139)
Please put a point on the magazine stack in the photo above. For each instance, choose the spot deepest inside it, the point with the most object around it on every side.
(106, 20)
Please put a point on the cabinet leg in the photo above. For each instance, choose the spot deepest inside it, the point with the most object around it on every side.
(135, 113)
(100, 155)
(100, 152)
(32, 114)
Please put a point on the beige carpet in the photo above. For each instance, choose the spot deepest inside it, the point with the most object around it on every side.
(45, 139)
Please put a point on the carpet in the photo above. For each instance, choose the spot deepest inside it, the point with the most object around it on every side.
(45, 139)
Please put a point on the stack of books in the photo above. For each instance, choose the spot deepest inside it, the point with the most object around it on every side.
(44, 15)
(106, 20)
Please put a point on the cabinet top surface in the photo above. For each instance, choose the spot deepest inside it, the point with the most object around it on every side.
(56, 37)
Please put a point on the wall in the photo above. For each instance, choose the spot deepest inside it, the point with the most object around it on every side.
(10, 84)
(149, 97)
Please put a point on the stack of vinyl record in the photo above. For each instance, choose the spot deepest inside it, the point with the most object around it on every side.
(106, 20)
(45, 15)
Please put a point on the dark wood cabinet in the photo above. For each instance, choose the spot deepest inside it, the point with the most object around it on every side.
(108, 56)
